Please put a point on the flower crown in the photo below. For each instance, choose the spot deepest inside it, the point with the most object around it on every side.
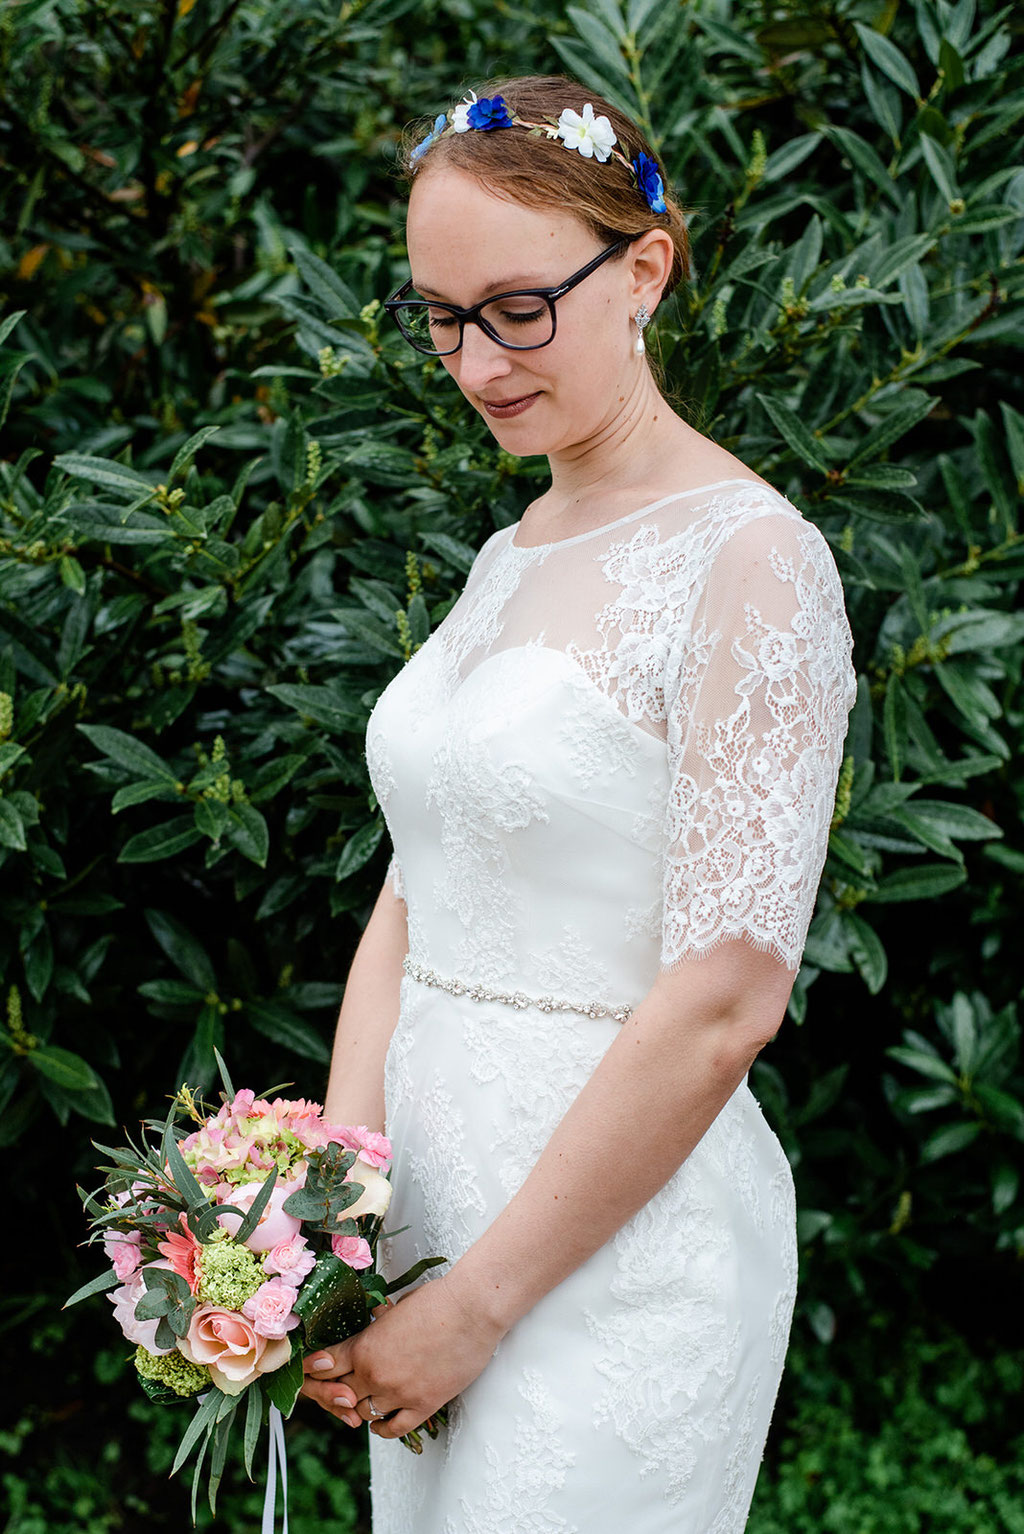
(592, 137)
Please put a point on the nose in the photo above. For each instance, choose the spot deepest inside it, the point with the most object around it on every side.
(479, 360)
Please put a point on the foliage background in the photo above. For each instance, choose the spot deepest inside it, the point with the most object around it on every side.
(231, 504)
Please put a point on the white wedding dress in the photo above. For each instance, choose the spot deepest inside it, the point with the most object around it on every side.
(617, 751)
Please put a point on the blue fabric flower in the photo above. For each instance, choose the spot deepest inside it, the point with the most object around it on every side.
(488, 113)
(440, 123)
(648, 179)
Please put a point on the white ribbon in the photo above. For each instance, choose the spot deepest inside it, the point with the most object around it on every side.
(278, 1465)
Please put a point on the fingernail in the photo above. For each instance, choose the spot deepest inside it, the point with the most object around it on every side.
(323, 1363)
(342, 1401)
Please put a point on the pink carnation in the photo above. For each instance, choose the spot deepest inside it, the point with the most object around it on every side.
(122, 1250)
(271, 1308)
(353, 1250)
(370, 1146)
(292, 1259)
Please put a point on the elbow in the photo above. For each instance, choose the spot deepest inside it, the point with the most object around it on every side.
(742, 1031)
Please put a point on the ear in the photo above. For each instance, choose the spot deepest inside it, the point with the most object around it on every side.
(651, 257)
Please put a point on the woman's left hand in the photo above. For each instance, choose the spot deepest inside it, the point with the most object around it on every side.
(416, 1357)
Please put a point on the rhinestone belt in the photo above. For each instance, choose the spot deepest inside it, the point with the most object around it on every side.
(518, 999)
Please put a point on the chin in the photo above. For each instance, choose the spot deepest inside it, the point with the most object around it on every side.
(533, 434)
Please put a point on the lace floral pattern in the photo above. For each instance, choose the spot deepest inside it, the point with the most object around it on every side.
(520, 1476)
(755, 772)
(540, 1070)
(667, 1343)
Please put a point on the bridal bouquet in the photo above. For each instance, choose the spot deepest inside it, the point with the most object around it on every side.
(238, 1244)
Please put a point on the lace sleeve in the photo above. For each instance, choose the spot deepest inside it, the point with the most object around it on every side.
(763, 686)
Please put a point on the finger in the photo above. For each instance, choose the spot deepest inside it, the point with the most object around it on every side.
(321, 1364)
(378, 1310)
(339, 1403)
(371, 1408)
(329, 1363)
(402, 1422)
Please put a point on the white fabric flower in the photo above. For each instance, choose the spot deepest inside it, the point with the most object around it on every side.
(460, 115)
(594, 137)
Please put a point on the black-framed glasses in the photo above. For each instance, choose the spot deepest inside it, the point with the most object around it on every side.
(521, 320)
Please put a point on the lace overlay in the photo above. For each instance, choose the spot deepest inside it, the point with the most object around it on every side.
(519, 1477)
(615, 753)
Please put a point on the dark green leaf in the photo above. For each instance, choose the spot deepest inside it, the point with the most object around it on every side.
(205, 1417)
(926, 882)
(412, 1274)
(64, 1067)
(104, 472)
(331, 1303)
(185, 951)
(795, 434)
(12, 827)
(185, 454)
(359, 849)
(278, 1022)
(248, 831)
(282, 1387)
(163, 841)
(889, 60)
(948, 1140)
(105, 1281)
(253, 1425)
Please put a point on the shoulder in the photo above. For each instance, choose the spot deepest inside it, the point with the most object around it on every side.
(756, 532)
(488, 551)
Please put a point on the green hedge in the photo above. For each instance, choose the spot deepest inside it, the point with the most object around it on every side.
(232, 503)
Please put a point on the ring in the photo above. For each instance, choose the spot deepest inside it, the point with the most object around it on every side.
(374, 1413)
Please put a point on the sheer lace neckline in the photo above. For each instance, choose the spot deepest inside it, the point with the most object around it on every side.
(631, 516)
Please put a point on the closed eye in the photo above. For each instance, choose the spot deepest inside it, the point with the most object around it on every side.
(521, 316)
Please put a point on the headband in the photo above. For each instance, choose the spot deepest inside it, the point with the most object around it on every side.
(592, 137)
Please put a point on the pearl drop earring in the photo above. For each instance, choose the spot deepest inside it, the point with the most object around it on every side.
(641, 320)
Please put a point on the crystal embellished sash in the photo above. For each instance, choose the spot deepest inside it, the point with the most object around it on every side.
(518, 999)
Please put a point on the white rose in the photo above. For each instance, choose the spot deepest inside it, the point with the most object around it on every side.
(376, 1194)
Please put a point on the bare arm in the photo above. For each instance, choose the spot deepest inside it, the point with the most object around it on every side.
(656, 1091)
(369, 1012)
(658, 1088)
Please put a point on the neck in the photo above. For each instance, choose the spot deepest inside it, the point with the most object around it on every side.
(625, 450)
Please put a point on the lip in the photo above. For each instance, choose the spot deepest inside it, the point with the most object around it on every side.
(502, 410)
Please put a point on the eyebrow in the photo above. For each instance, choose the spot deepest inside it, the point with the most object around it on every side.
(506, 285)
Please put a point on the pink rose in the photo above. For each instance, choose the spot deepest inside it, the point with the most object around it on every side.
(124, 1301)
(293, 1259)
(353, 1250)
(274, 1225)
(229, 1345)
(270, 1309)
(122, 1249)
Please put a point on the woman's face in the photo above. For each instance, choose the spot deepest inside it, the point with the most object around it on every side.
(466, 244)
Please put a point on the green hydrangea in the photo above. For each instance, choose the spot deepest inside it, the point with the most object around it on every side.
(229, 1274)
(172, 1370)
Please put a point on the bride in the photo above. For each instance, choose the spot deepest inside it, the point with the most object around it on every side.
(608, 777)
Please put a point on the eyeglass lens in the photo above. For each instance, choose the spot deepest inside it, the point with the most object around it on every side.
(521, 321)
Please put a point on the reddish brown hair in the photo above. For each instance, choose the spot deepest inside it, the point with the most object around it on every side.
(540, 172)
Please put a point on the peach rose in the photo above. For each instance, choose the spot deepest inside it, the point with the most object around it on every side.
(230, 1347)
